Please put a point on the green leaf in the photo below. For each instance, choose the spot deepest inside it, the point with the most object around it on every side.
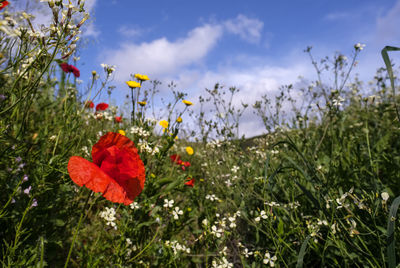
(302, 252)
(280, 227)
(391, 251)
(386, 59)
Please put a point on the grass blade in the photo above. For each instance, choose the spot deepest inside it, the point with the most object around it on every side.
(389, 69)
(302, 252)
(391, 251)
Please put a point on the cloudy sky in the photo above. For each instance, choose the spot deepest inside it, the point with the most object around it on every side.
(255, 45)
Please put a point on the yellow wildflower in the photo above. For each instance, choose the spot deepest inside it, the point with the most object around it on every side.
(189, 150)
(121, 132)
(179, 119)
(164, 123)
(142, 103)
(142, 77)
(133, 84)
(187, 103)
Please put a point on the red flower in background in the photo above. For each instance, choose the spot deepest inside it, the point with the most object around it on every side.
(190, 182)
(101, 106)
(3, 4)
(89, 104)
(175, 158)
(118, 119)
(117, 170)
(70, 69)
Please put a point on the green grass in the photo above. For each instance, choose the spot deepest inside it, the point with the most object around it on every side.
(308, 192)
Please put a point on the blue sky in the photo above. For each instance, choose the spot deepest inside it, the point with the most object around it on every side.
(255, 45)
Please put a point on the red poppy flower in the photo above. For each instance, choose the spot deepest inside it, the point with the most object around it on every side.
(190, 182)
(186, 164)
(118, 119)
(117, 170)
(175, 158)
(75, 71)
(70, 69)
(65, 67)
(3, 4)
(101, 106)
(89, 104)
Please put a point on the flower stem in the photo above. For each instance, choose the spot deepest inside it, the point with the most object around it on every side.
(133, 107)
(77, 227)
(146, 247)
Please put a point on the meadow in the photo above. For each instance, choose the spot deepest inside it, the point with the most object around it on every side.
(88, 184)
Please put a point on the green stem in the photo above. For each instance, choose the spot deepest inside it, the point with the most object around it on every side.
(18, 233)
(148, 245)
(77, 227)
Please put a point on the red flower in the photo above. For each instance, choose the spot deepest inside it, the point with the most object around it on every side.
(65, 67)
(75, 71)
(175, 158)
(70, 69)
(89, 104)
(190, 182)
(101, 106)
(117, 170)
(118, 119)
(186, 164)
(3, 4)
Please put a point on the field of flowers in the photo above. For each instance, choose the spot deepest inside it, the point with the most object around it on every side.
(85, 185)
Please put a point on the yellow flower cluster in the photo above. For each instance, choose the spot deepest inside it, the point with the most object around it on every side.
(189, 150)
(142, 103)
(142, 77)
(133, 84)
(164, 123)
(187, 103)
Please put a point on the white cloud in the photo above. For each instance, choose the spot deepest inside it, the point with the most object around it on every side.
(252, 84)
(129, 31)
(338, 16)
(387, 26)
(248, 29)
(162, 57)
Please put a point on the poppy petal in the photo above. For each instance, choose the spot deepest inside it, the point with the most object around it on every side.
(126, 169)
(108, 140)
(134, 187)
(115, 193)
(84, 172)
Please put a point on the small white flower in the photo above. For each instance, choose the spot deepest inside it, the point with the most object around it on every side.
(385, 196)
(247, 253)
(168, 203)
(338, 101)
(134, 205)
(176, 212)
(235, 169)
(359, 46)
(268, 259)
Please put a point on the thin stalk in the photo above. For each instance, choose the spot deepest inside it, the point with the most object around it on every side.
(77, 227)
(148, 245)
